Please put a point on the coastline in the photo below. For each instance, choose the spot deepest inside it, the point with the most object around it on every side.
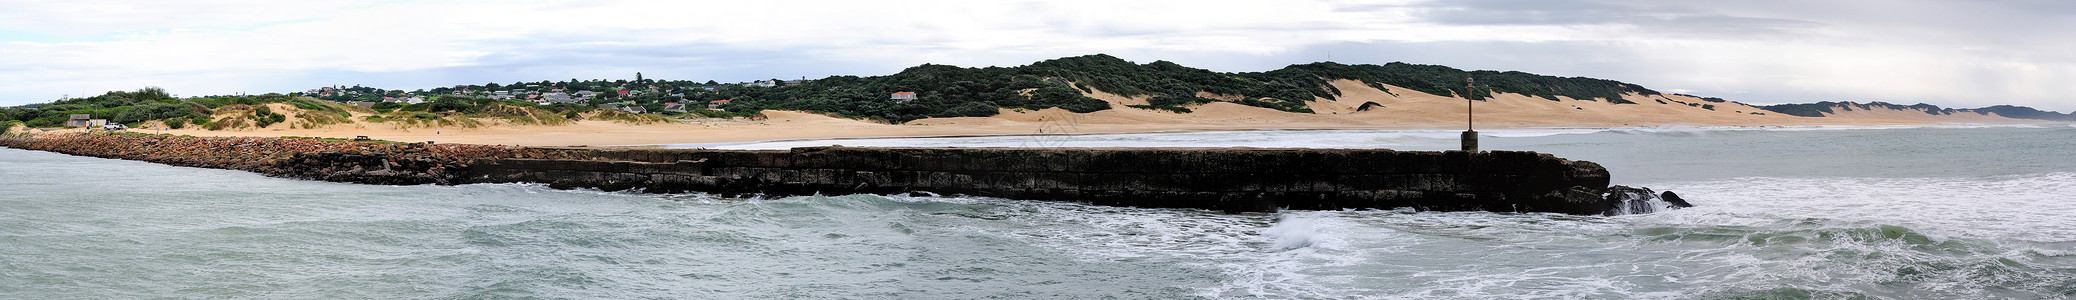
(1361, 107)
(665, 136)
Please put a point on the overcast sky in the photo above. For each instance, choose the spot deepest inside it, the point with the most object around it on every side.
(1949, 53)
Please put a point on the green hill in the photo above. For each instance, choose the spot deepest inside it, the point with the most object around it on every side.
(950, 91)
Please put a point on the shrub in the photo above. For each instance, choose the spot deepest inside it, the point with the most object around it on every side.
(176, 123)
(154, 111)
(266, 116)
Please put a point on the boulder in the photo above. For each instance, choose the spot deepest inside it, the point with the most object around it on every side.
(1674, 199)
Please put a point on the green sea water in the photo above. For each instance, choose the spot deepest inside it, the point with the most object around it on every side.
(1785, 213)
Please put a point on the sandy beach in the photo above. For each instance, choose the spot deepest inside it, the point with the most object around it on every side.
(1400, 109)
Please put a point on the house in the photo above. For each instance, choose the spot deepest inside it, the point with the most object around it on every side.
(625, 93)
(80, 120)
(634, 109)
(609, 106)
(674, 107)
(716, 104)
(586, 94)
(903, 96)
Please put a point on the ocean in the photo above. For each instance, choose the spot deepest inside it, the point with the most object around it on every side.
(1938, 212)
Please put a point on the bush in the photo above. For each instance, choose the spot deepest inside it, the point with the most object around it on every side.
(154, 111)
(266, 116)
(176, 123)
(452, 103)
(309, 105)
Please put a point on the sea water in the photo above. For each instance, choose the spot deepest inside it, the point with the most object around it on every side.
(1957, 212)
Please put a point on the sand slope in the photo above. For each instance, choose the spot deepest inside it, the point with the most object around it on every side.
(1849, 111)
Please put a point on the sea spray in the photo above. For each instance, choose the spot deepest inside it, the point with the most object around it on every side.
(1291, 232)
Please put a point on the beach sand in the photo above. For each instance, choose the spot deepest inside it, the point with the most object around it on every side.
(1401, 109)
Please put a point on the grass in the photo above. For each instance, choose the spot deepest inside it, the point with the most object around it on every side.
(628, 118)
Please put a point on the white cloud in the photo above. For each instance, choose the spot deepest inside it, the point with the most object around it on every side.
(1948, 53)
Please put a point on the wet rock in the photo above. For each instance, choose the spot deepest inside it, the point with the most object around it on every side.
(1674, 199)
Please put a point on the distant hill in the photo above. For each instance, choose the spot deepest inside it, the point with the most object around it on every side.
(2022, 112)
(1829, 108)
(950, 91)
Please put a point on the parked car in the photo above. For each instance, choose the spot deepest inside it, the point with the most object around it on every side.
(113, 127)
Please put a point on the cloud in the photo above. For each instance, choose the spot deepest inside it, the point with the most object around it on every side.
(1945, 52)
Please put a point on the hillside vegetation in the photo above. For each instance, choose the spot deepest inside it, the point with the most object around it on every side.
(950, 91)
(154, 106)
(1821, 109)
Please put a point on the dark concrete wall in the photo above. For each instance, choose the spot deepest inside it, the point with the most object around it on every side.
(1229, 179)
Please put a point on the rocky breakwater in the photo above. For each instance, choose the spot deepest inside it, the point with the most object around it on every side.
(1229, 179)
(370, 163)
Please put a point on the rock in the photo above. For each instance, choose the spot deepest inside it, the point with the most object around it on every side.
(1630, 200)
(1670, 197)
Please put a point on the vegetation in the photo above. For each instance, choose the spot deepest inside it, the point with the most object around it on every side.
(941, 91)
(947, 91)
(1819, 109)
(628, 118)
(265, 116)
(2022, 112)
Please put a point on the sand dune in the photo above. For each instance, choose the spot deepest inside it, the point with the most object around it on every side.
(1401, 108)
(1844, 111)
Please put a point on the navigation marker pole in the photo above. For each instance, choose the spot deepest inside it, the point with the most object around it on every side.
(1470, 131)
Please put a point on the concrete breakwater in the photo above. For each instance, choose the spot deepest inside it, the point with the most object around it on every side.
(1228, 179)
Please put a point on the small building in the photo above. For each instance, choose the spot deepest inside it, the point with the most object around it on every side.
(634, 109)
(613, 106)
(716, 104)
(674, 107)
(80, 120)
(362, 104)
(903, 96)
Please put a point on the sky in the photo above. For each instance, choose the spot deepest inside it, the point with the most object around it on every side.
(1950, 53)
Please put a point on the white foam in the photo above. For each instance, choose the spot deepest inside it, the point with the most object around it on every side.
(1292, 232)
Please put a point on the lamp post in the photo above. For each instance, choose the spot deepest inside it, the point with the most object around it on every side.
(1470, 132)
